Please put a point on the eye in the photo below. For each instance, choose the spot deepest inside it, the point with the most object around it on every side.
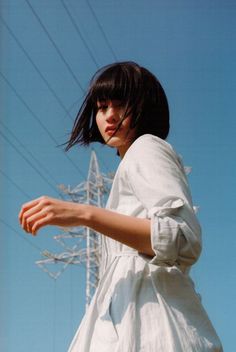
(117, 103)
(102, 105)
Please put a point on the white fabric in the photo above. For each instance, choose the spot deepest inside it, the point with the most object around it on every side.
(142, 303)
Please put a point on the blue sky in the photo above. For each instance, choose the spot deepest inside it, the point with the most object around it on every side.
(49, 51)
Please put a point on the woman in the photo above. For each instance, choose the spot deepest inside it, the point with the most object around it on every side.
(145, 300)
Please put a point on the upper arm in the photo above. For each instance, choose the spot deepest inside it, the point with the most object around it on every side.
(158, 180)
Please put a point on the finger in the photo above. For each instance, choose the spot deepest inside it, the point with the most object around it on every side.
(33, 217)
(28, 214)
(27, 206)
(40, 223)
(43, 199)
(40, 211)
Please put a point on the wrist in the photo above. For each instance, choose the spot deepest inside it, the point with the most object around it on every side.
(84, 214)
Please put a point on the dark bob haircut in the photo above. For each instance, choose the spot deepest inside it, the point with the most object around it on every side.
(140, 93)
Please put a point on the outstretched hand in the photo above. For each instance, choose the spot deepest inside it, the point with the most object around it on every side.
(49, 211)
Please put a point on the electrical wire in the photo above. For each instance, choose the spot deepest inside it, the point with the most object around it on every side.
(15, 184)
(13, 146)
(36, 247)
(54, 45)
(39, 121)
(40, 73)
(29, 162)
(36, 68)
(102, 30)
(79, 33)
(37, 161)
(28, 108)
(85, 43)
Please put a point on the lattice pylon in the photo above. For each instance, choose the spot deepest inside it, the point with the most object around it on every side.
(86, 247)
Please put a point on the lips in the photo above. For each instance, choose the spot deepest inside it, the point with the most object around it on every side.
(110, 129)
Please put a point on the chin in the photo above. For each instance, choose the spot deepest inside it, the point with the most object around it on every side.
(113, 142)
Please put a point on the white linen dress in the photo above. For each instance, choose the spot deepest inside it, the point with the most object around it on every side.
(142, 303)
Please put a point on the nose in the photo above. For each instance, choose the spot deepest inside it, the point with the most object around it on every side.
(112, 114)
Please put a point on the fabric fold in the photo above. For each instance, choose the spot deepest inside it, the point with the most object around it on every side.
(173, 241)
(169, 206)
(162, 190)
(143, 303)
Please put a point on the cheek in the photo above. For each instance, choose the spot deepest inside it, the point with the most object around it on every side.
(126, 123)
(99, 123)
(131, 132)
(96, 119)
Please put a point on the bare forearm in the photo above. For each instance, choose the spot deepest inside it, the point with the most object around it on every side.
(131, 231)
(43, 211)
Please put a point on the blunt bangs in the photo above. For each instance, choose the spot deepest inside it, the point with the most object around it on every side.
(115, 82)
(108, 86)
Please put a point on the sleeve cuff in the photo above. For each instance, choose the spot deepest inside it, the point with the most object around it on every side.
(174, 241)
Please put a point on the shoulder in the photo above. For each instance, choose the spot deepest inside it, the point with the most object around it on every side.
(148, 147)
(149, 138)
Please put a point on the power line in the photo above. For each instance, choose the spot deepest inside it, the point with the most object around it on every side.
(40, 73)
(54, 45)
(29, 162)
(28, 108)
(38, 120)
(35, 67)
(74, 104)
(22, 237)
(19, 235)
(79, 33)
(15, 184)
(29, 152)
(102, 30)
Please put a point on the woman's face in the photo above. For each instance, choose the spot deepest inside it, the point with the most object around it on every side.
(109, 116)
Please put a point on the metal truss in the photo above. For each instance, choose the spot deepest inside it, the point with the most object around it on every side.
(81, 245)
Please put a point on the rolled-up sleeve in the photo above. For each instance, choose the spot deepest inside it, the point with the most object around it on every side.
(158, 180)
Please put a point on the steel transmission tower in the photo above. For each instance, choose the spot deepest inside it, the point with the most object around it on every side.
(81, 244)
